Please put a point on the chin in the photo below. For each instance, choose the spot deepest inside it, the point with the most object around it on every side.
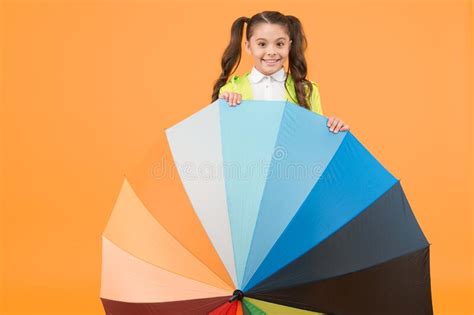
(271, 69)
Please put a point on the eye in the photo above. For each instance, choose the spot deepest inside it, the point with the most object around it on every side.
(260, 44)
(282, 44)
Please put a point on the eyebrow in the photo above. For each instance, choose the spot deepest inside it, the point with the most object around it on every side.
(276, 39)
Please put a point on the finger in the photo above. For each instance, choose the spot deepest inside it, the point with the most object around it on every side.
(345, 128)
(234, 99)
(330, 120)
(239, 98)
(338, 126)
(226, 96)
(334, 124)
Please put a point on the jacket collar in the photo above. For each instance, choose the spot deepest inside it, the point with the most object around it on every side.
(255, 75)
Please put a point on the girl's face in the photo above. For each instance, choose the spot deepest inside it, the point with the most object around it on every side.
(269, 47)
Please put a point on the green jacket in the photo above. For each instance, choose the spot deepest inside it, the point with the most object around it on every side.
(241, 85)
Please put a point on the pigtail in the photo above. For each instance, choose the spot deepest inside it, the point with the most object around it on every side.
(232, 55)
(297, 62)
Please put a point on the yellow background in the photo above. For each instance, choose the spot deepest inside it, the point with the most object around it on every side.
(87, 86)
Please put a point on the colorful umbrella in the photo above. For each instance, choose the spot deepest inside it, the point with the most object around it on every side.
(260, 209)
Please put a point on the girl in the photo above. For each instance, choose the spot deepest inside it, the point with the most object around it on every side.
(271, 39)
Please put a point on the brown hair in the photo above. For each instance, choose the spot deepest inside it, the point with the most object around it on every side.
(296, 60)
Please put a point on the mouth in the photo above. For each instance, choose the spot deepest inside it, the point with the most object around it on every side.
(271, 61)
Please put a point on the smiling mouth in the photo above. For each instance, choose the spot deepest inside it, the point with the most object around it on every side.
(271, 60)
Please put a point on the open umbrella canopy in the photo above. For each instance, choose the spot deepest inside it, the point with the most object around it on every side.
(260, 209)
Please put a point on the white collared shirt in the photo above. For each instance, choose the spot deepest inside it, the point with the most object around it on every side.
(268, 87)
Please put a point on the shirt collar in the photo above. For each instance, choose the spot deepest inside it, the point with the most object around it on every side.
(255, 75)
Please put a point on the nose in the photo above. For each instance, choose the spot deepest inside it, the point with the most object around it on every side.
(271, 51)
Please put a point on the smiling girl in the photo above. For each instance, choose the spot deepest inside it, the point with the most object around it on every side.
(271, 39)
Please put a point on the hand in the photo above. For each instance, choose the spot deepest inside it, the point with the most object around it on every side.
(231, 97)
(335, 125)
